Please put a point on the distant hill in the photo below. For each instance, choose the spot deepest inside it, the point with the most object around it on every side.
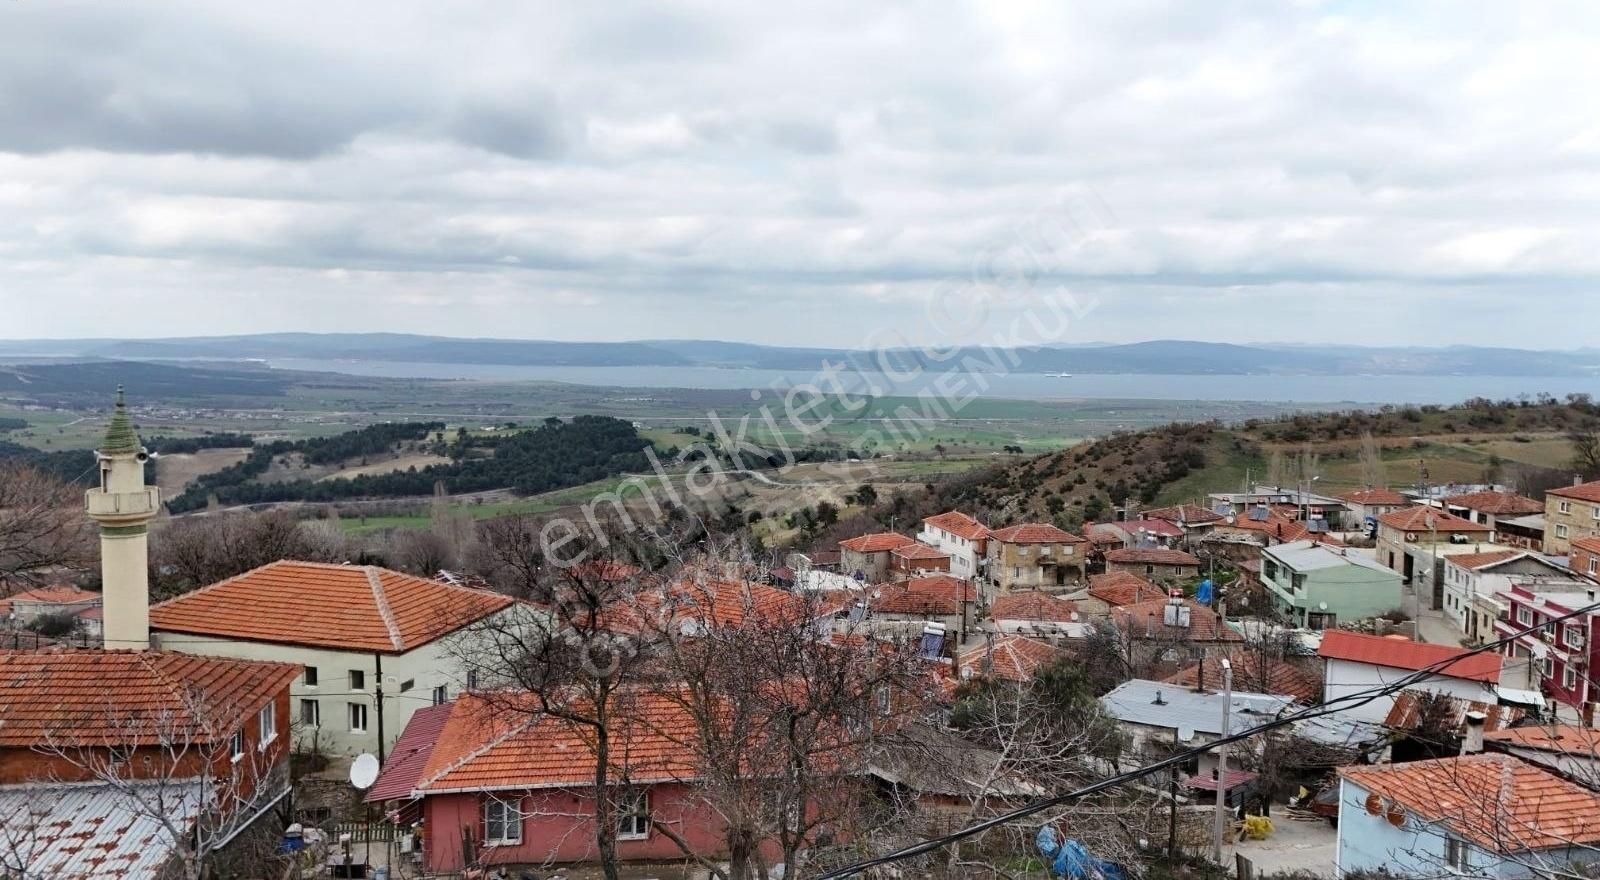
(1154, 357)
(91, 381)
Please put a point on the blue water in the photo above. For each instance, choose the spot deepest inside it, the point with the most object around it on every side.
(1020, 386)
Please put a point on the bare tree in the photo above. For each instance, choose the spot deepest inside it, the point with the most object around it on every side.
(192, 552)
(507, 553)
(1373, 473)
(43, 532)
(1586, 451)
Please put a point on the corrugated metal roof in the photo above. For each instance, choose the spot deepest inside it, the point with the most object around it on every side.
(1309, 556)
(1135, 701)
(93, 831)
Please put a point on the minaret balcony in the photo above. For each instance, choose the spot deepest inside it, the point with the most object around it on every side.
(123, 507)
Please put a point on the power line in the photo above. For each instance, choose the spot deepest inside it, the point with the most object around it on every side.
(1359, 698)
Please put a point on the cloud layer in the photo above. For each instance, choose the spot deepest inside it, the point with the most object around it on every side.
(1244, 171)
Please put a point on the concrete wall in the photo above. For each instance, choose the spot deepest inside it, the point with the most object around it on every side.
(964, 553)
(1578, 519)
(1342, 678)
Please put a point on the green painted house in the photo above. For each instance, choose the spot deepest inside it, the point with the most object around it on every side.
(1318, 586)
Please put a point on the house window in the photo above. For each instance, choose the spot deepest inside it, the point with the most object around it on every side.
(358, 680)
(1270, 569)
(633, 816)
(1594, 561)
(1573, 636)
(266, 725)
(883, 699)
(472, 679)
(1524, 617)
(358, 717)
(236, 745)
(1455, 854)
(441, 695)
(1564, 507)
(1298, 581)
(1569, 678)
(1549, 666)
(502, 823)
(407, 685)
(311, 676)
(1561, 530)
(310, 713)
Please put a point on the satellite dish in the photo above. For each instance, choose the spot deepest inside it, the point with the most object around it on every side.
(364, 771)
(1185, 734)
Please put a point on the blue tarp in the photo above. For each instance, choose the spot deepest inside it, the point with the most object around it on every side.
(1068, 858)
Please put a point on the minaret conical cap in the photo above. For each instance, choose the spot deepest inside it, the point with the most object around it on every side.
(120, 438)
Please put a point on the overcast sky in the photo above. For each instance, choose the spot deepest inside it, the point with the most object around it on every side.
(801, 173)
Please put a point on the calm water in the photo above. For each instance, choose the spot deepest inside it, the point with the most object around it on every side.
(1022, 386)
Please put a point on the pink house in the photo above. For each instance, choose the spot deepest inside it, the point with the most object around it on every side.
(497, 784)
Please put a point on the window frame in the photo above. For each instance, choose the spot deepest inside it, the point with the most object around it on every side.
(310, 677)
(1569, 677)
(354, 709)
(510, 820)
(633, 808)
(236, 745)
(315, 706)
(1524, 616)
(441, 694)
(358, 679)
(266, 725)
(1456, 854)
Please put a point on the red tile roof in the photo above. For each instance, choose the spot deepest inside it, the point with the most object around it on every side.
(1410, 705)
(1123, 588)
(1009, 657)
(1496, 801)
(919, 550)
(1338, 644)
(1033, 605)
(50, 596)
(877, 542)
(1034, 533)
(939, 594)
(350, 607)
(713, 602)
(1582, 491)
(117, 697)
(1151, 556)
(1474, 561)
(1184, 513)
(1158, 527)
(1497, 503)
(1102, 534)
(501, 741)
(959, 524)
(1147, 620)
(1591, 544)
(1255, 673)
(410, 754)
(1566, 738)
(1375, 497)
(1418, 519)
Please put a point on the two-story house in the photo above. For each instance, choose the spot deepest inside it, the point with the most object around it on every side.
(1471, 581)
(124, 763)
(866, 557)
(373, 642)
(1570, 513)
(1414, 540)
(1155, 563)
(1356, 663)
(961, 536)
(1035, 556)
(917, 559)
(1490, 506)
(1584, 558)
(1317, 586)
(1563, 654)
(1366, 505)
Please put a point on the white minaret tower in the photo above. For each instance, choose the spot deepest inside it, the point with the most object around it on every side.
(123, 506)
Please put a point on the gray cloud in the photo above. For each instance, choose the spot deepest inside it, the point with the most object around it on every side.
(1253, 170)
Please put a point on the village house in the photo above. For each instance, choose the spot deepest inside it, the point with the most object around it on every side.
(1033, 556)
(917, 559)
(1570, 513)
(1570, 750)
(903, 608)
(1563, 653)
(27, 607)
(1172, 633)
(1584, 558)
(1355, 663)
(1193, 520)
(1154, 563)
(1038, 614)
(1366, 505)
(1265, 526)
(1470, 578)
(1115, 589)
(1148, 533)
(961, 536)
(1253, 670)
(1522, 532)
(107, 758)
(373, 642)
(866, 557)
(1317, 586)
(1477, 815)
(1013, 658)
(1414, 540)
(1151, 714)
(1490, 506)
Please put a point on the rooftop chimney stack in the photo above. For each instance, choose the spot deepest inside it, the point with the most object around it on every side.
(123, 506)
(1472, 740)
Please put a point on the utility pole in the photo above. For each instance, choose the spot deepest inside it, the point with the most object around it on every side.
(1219, 820)
(1172, 798)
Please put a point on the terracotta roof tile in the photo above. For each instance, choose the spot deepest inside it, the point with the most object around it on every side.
(1034, 533)
(1422, 518)
(957, 523)
(1118, 588)
(1582, 491)
(918, 550)
(1497, 503)
(50, 596)
(1338, 644)
(101, 697)
(877, 542)
(1151, 556)
(1033, 605)
(1474, 561)
(1158, 527)
(939, 594)
(1103, 534)
(1373, 497)
(1191, 514)
(1496, 801)
(351, 607)
(1148, 620)
(1566, 738)
(1591, 543)
(1279, 678)
(1009, 657)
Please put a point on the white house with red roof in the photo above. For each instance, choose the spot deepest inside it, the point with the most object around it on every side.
(1470, 578)
(961, 536)
(375, 644)
(1355, 663)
